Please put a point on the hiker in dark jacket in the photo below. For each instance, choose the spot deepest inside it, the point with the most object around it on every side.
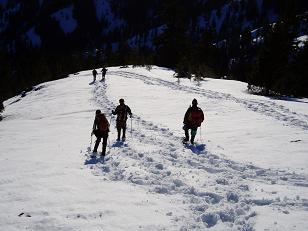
(104, 71)
(94, 73)
(192, 120)
(100, 130)
(121, 111)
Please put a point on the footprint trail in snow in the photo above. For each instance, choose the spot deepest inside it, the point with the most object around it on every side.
(215, 190)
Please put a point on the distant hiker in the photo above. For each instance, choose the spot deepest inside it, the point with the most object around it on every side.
(192, 120)
(121, 111)
(100, 130)
(104, 71)
(94, 72)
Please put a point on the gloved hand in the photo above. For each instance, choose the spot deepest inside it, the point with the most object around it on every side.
(130, 115)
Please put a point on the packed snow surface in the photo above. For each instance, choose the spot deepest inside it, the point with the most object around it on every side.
(247, 171)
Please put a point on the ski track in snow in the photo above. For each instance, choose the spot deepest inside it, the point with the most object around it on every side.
(213, 188)
(272, 109)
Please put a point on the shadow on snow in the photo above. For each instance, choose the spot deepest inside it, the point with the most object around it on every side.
(196, 148)
(119, 144)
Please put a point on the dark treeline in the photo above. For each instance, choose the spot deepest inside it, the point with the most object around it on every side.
(265, 54)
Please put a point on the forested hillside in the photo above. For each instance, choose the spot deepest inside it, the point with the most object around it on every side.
(256, 41)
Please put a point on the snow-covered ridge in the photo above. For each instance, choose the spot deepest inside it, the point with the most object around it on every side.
(302, 40)
(33, 38)
(220, 16)
(66, 19)
(104, 12)
(237, 177)
(4, 17)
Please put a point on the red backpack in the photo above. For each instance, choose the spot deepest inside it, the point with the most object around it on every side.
(102, 123)
(196, 117)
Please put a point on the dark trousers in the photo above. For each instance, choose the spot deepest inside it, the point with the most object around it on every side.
(193, 132)
(99, 137)
(121, 125)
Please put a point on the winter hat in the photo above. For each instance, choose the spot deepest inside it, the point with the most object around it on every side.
(121, 100)
(194, 102)
(98, 112)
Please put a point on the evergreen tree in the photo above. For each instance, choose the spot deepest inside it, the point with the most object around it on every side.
(297, 75)
(273, 58)
(174, 43)
(205, 55)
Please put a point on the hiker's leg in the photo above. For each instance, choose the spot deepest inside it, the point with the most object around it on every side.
(186, 133)
(105, 138)
(119, 133)
(98, 140)
(193, 133)
(118, 130)
(124, 131)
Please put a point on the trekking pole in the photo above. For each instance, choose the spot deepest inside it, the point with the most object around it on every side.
(200, 134)
(109, 130)
(131, 126)
(109, 145)
(110, 119)
(89, 148)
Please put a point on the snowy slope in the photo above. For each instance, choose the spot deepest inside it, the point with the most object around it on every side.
(248, 171)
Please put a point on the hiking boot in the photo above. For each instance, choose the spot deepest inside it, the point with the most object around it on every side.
(118, 139)
(185, 140)
(123, 138)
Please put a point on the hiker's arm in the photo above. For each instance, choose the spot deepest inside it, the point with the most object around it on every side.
(129, 111)
(94, 126)
(114, 112)
(186, 116)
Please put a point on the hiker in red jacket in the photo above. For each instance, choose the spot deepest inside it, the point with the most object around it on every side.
(192, 120)
(100, 130)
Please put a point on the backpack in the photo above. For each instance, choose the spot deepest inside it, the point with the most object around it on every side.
(122, 114)
(102, 123)
(196, 117)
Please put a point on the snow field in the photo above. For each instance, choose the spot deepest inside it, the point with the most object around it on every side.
(238, 177)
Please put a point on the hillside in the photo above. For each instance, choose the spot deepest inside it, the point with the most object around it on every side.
(42, 40)
(248, 170)
(102, 21)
